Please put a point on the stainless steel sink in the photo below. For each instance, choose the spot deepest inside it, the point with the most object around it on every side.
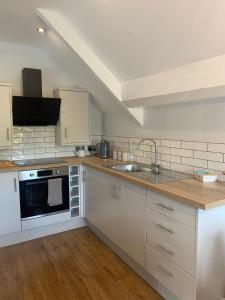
(147, 174)
(130, 168)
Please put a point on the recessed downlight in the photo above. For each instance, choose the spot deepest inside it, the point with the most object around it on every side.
(41, 29)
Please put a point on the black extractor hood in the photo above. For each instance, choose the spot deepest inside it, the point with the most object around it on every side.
(32, 109)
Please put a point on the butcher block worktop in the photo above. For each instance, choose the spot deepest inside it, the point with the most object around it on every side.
(189, 191)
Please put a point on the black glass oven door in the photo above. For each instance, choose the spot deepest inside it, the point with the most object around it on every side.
(34, 197)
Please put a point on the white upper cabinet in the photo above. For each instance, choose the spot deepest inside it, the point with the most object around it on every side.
(77, 117)
(9, 203)
(5, 116)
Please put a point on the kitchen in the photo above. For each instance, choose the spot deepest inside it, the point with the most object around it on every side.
(112, 153)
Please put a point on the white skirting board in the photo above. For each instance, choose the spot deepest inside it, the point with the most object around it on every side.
(164, 292)
(34, 233)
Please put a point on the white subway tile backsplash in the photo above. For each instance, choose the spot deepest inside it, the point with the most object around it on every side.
(50, 139)
(164, 164)
(44, 134)
(27, 134)
(50, 128)
(184, 156)
(34, 151)
(182, 168)
(194, 162)
(18, 134)
(45, 155)
(194, 146)
(171, 144)
(182, 152)
(28, 146)
(163, 150)
(145, 147)
(216, 147)
(31, 142)
(209, 155)
(17, 140)
(148, 154)
(218, 166)
(44, 145)
(170, 158)
(64, 154)
(144, 160)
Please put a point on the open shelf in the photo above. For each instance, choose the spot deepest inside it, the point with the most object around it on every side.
(74, 191)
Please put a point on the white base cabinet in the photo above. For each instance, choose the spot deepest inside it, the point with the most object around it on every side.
(181, 249)
(10, 220)
(117, 209)
(132, 220)
(101, 205)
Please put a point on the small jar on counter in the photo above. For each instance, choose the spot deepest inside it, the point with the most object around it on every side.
(119, 155)
(114, 154)
(125, 156)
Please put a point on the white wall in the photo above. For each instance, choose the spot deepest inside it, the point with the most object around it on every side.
(15, 57)
(196, 121)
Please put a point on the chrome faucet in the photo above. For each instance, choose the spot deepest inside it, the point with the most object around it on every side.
(154, 166)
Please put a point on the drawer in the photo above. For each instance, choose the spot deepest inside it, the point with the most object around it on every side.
(172, 239)
(169, 275)
(172, 208)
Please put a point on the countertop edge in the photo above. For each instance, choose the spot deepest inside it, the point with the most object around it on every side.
(195, 201)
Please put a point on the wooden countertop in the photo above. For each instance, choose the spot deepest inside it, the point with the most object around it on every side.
(189, 191)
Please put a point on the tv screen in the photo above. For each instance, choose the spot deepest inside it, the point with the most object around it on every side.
(31, 111)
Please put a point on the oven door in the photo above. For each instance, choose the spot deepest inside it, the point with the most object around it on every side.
(34, 197)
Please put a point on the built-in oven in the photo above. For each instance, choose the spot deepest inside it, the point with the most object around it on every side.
(44, 192)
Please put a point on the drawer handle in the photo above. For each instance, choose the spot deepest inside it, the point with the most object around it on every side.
(164, 249)
(165, 271)
(165, 228)
(165, 207)
(7, 134)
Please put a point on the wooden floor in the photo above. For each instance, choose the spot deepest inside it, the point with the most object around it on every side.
(69, 266)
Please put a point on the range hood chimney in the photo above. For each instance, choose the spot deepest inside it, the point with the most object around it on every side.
(32, 82)
(32, 109)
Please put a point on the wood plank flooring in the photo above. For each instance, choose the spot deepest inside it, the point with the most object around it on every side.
(73, 265)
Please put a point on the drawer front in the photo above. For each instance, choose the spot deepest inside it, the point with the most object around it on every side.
(169, 275)
(172, 239)
(172, 208)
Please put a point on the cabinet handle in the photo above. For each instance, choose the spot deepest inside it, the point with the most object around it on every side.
(84, 175)
(118, 190)
(165, 271)
(7, 134)
(65, 132)
(114, 191)
(165, 228)
(164, 249)
(165, 207)
(15, 185)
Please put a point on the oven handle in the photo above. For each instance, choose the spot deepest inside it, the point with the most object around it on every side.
(42, 179)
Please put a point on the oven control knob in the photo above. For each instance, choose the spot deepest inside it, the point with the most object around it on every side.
(31, 174)
(57, 172)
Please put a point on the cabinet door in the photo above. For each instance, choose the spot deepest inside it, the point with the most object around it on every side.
(74, 117)
(5, 117)
(132, 220)
(101, 205)
(9, 203)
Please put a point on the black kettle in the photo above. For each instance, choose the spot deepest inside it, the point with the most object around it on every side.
(103, 149)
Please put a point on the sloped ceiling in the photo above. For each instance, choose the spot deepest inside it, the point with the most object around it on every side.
(133, 38)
